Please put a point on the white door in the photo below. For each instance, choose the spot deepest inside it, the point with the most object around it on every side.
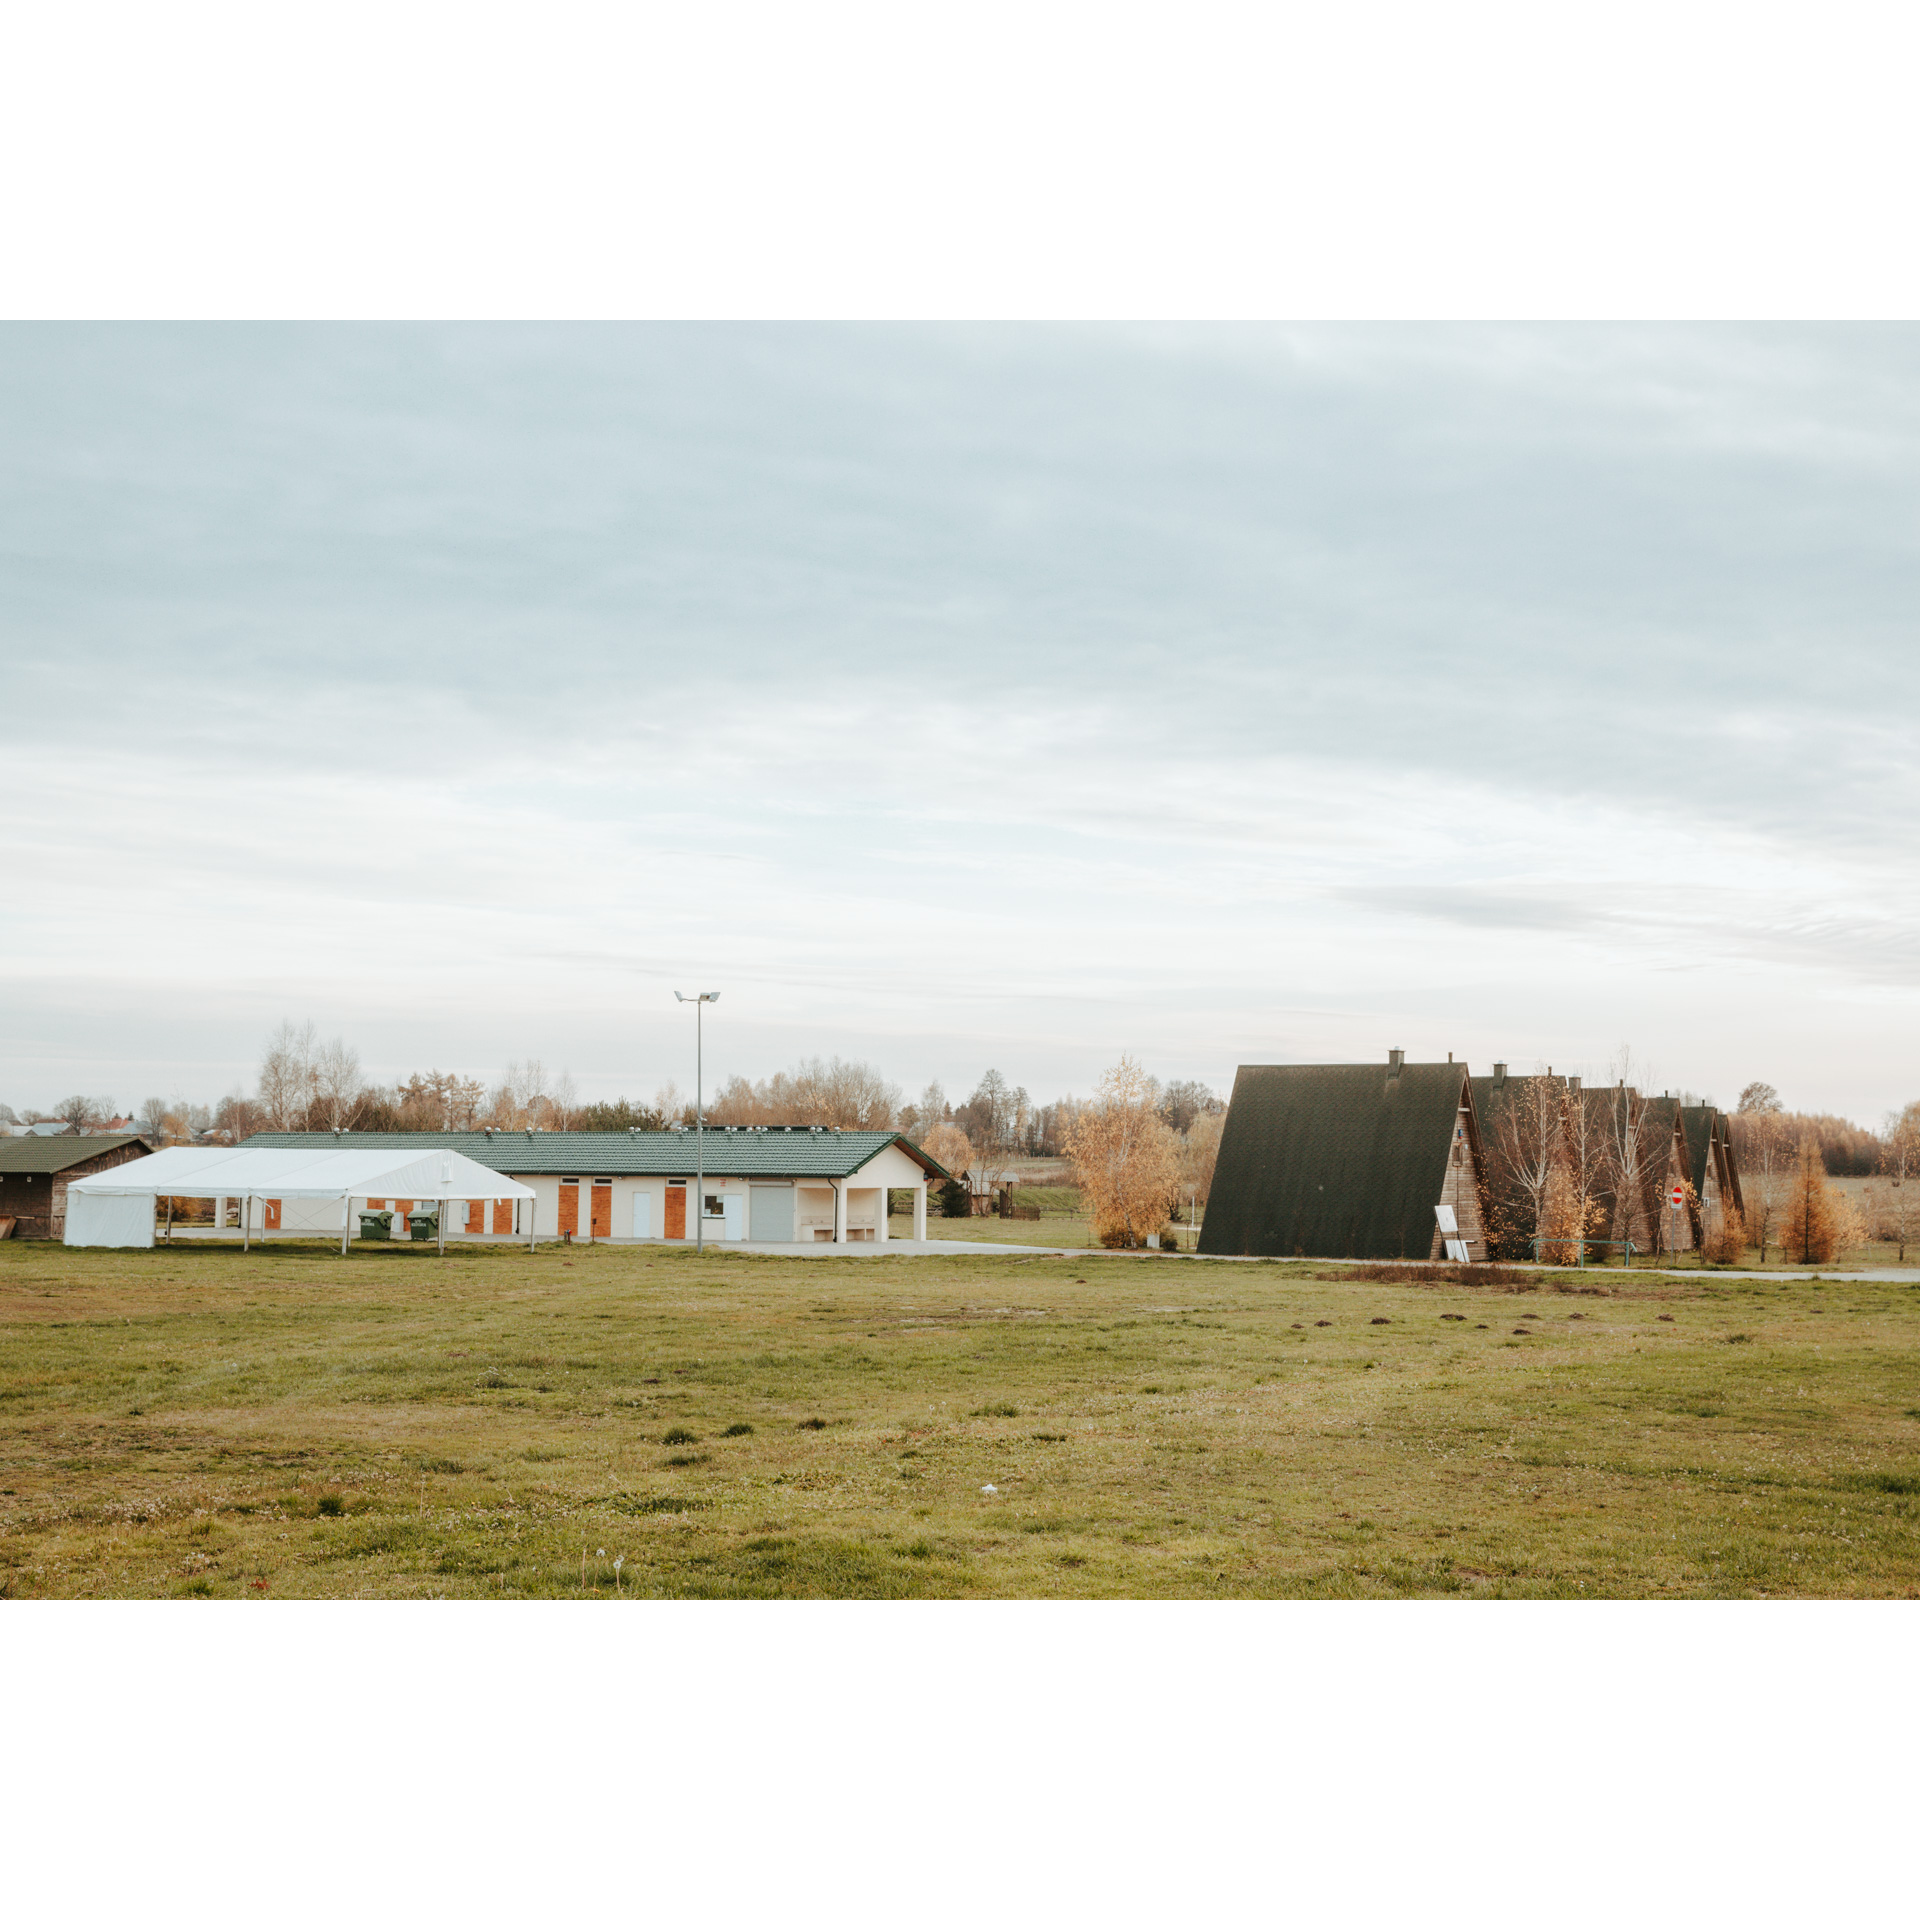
(643, 1216)
(735, 1207)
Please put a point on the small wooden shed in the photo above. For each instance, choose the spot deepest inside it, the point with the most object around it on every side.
(35, 1171)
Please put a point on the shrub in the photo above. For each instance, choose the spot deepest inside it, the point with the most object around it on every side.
(1721, 1245)
(956, 1200)
(736, 1430)
(678, 1437)
(332, 1505)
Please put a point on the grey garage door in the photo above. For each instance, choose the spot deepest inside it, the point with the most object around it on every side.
(771, 1217)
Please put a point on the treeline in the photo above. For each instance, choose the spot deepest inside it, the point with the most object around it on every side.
(1847, 1149)
(309, 1085)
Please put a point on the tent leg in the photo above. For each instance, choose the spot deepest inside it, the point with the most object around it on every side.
(246, 1221)
(346, 1221)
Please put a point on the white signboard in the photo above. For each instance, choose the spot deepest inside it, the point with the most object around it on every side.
(1448, 1224)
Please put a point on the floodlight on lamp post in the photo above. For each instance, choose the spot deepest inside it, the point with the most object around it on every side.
(699, 1124)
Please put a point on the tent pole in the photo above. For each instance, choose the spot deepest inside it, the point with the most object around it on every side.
(346, 1220)
(246, 1221)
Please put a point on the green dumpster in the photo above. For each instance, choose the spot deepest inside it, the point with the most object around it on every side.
(376, 1226)
(423, 1226)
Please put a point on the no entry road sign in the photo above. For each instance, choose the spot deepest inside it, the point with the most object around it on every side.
(1678, 1197)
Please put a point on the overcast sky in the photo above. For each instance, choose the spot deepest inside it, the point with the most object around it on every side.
(961, 698)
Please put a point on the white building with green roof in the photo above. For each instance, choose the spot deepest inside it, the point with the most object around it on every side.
(774, 1185)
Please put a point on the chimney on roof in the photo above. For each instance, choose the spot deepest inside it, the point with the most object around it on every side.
(1573, 1083)
(1396, 1059)
(1499, 1073)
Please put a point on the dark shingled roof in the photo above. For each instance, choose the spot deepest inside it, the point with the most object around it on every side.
(55, 1153)
(1333, 1160)
(775, 1153)
(1698, 1122)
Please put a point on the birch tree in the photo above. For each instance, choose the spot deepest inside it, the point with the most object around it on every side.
(1125, 1157)
(1900, 1162)
(1766, 1152)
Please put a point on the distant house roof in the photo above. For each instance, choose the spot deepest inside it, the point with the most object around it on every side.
(43, 1154)
(1346, 1160)
(1699, 1125)
(775, 1153)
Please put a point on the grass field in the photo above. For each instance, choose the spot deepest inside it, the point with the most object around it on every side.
(197, 1421)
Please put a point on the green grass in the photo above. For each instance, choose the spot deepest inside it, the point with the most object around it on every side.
(199, 1421)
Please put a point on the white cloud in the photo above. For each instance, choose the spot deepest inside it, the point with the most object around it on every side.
(962, 696)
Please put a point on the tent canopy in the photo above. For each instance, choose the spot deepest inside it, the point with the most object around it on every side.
(304, 1173)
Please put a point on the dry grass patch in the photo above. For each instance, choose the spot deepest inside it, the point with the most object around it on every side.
(607, 1423)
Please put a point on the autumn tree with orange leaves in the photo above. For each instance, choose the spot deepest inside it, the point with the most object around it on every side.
(1126, 1158)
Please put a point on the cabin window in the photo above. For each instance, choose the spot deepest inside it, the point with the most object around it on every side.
(716, 1206)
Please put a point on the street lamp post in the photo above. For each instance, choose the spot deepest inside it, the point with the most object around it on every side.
(699, 1124)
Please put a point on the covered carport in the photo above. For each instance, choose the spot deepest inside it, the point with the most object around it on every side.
(115, 1208)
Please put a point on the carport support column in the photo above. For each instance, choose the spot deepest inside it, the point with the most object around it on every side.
(919, 1209)
(839, 1212)
(886, 1200)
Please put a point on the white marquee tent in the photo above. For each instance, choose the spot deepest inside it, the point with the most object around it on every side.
(115, 1208)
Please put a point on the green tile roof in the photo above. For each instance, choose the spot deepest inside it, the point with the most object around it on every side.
(1346, 1161)
(55, 1153)
(774, 1153)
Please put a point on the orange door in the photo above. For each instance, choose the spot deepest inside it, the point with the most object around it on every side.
(476, 1216)
(503, 1216)
(602, 1212)
(676, 1213)
(273, 1213)
(569, 1209)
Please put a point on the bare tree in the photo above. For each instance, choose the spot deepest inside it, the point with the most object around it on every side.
(239, 1116)
(996, 1119)
(1635, 1155)
(513, 1100)
(287, 1076)
(816, 1093)
(82, 1110)
(1182, 1102)
(1900, 1162)
(1526, 1146)
(1579, 1198)
(154, 1115)
(926, 1113)
(336, 1084)
(1767, 1151)
(1199, 1150)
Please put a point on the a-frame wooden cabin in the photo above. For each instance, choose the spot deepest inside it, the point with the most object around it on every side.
(1347, 1162)
(1712, 1169)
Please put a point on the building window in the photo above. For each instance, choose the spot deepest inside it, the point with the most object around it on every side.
(716, 1207)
